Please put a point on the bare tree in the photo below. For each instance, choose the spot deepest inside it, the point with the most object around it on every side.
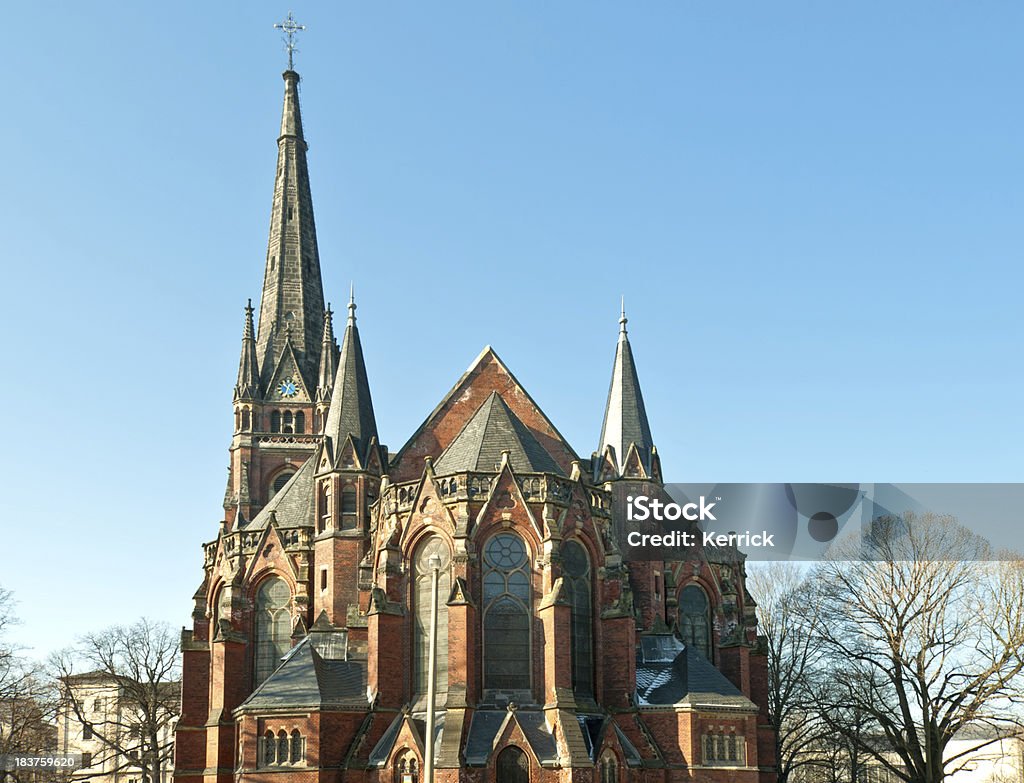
(123, 686)
(25, 708)
(786, 616)
(924, 633)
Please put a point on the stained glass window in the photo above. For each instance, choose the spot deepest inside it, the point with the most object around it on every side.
(576, 573)
(273, 626)
(694, 622)
(422, 576)
(506, 613)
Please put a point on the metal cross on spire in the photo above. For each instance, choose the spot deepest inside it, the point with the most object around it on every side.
(290, 27)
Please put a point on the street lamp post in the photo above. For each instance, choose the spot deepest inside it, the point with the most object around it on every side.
(428, 740)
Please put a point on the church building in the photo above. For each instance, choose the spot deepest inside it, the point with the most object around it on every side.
(308, 658)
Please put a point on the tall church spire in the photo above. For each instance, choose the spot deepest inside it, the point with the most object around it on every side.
(626, 429)
(351, 411)
(248, 385)
(293, 299)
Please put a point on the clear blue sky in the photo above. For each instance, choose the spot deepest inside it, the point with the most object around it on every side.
(813, 210)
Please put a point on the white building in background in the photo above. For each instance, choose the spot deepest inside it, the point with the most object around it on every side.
(104, 725)
(1002, 761)
(980, 754)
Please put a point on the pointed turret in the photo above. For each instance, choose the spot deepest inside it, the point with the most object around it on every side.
(248, 385)
(328, 352)
(626, 429)
(293, 298)
(351, 411)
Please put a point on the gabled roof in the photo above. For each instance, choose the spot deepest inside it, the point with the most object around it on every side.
(485, 375)
(488, 724)
(293, 506)
(671, 673)
(305, 680)
(494, 429)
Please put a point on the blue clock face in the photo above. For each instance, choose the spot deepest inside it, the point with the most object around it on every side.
(288, 388)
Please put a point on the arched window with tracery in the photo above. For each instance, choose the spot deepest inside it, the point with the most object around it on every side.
(406, 767)
(298, 747)
(512, 766)
(576, 576)
(695, 620)
(507, 612)
(273, 626)
(421, 595)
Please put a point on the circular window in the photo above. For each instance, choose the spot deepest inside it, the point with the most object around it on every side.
(505, 551)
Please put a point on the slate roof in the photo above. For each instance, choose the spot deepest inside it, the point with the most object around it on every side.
(494, 428)
(292, 306)
(595, 727)
(670, 673)
(293, 505)
(625, 417)
(487, 724)
(351, 409)
(305, 680)
(381, 751)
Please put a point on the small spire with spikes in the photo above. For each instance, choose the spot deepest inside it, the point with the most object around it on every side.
(625, 418)
(328, 352)
(351, 410)
(247, 387)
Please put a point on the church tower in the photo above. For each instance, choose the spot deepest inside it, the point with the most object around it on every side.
(281, 392)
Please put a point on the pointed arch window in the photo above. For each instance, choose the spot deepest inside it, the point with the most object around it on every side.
(507, 612)
(406, 767)
(609, 768)
(421, 595)
(695, 619)
(512, 766)
(279, 481)
(349, 506)
(282, 747)
(273, 626)
(269, 749)
(576, 575)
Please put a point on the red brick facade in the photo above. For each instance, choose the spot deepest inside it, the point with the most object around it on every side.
(343, 536)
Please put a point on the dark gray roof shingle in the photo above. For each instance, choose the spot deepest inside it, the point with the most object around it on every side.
(669, 672)
(494, 428)
(305, 680)
(625, 417)
(293, 505)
